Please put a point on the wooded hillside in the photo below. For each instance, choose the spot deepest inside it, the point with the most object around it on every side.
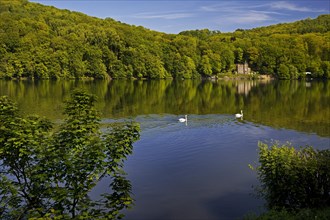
(39, 41)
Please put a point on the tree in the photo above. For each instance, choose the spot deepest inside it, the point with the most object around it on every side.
(205, 66)
(293, 72)
(184, 67)
(252, 55)
(283, 72)
(294, 179)
(227, 59)
(325, 65)
(238, 55)
(44, 42)
(49, 173)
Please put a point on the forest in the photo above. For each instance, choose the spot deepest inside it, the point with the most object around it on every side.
(43, 42)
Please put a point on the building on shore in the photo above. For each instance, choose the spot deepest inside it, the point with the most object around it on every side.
(243, 68)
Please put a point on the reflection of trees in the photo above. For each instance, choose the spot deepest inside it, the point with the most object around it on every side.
(288, 104)
(49, 173)
(174, 97)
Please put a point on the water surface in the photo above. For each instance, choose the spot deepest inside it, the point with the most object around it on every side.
(198, 169)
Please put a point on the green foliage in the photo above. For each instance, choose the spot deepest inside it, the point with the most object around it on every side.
(48, 173)
(44, 42)
(205, 66)
(283, 72)
(303, 214)
(294, 179)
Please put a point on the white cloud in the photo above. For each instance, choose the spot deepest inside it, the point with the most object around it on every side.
(210, 8)
(249, 17)
(251, 13)
(167, 16)
(238, 13)
(231, 7)
(292, 7)
(271, 7)
(287, 6)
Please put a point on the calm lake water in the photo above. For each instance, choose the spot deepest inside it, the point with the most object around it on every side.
(198, 169)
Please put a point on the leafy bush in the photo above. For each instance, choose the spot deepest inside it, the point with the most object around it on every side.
(48, 173)
(303, 214)
(294, 179)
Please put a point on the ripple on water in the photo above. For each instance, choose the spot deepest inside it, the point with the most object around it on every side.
(204, 160)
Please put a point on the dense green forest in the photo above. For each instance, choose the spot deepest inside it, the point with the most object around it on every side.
(39, 41)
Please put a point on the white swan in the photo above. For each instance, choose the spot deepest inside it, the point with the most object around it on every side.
(183, 119)
(239, 115)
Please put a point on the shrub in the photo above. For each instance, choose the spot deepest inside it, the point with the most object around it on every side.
(48, 174)
(294, 179)
(303, 214)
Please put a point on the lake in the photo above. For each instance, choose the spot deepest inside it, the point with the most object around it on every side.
(198, 169)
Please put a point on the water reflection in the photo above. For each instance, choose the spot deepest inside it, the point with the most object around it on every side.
(244, 87)
(280, 104)
(199, 170)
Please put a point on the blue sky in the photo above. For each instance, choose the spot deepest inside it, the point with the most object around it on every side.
(174, 16)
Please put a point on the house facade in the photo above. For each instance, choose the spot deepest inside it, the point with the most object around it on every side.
(243, 68)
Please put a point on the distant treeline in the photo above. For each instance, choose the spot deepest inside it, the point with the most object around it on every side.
(39, 41)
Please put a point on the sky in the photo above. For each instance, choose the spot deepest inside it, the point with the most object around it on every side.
(174, 16)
